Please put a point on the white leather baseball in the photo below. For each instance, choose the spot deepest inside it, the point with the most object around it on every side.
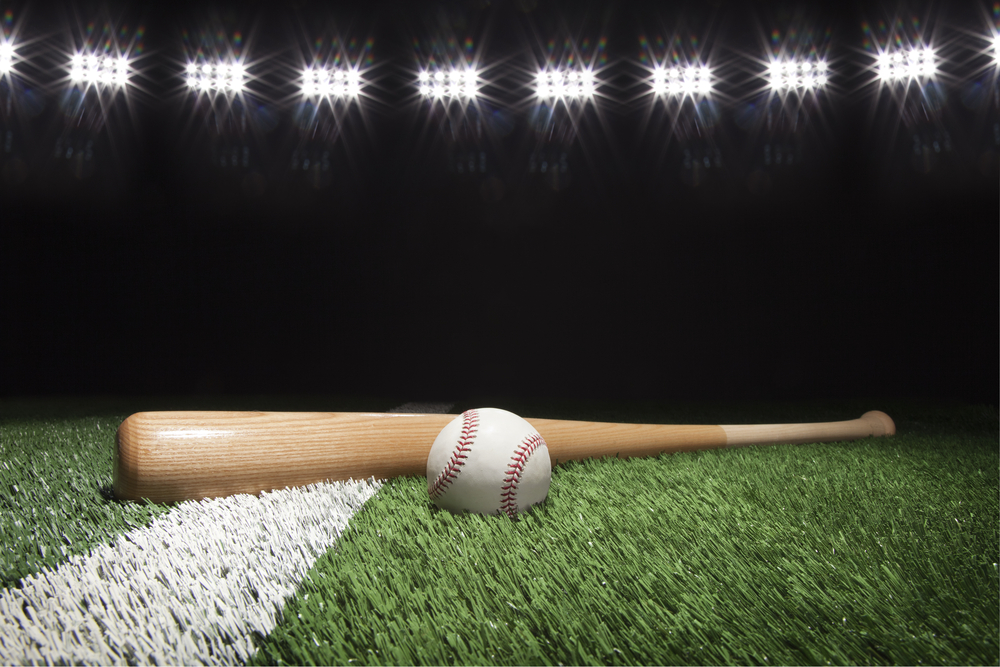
(488, 461)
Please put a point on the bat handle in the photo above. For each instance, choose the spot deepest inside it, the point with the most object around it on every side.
(873, 423)
(569, 440)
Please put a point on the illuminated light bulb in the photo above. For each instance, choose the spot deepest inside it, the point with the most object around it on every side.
(455, 83)
(331, 83)
(794, 74)
(689, 80)
(221, 76)
(913, 63)
(572, 84)
(6, 58)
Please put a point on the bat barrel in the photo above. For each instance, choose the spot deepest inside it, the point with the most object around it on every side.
(172, 456)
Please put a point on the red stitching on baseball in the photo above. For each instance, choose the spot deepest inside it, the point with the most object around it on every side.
(508, 498)
(470, 426)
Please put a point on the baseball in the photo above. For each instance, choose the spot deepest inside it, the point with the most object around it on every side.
(488, 461)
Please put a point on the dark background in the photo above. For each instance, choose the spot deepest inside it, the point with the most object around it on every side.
(858, 272)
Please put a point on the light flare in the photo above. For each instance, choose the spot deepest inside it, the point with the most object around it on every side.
(565, 84)
(222, 76)
(326, 82)
(454, 83)
(682, 81)
(100, 70)
(6, 58)
(796, 74)
(906, 64)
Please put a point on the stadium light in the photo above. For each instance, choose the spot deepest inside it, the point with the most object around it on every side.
(906, 64)
(797, 74)
(334, 83)
(99, 70)
(222, 76)
(6, 58)
(682, 81)
(454, 84)
(996, 47)
(565, 84)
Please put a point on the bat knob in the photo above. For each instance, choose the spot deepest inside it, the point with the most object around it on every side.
(882, 423)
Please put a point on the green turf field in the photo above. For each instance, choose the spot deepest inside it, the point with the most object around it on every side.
(881, 551)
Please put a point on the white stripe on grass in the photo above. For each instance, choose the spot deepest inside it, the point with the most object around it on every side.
(190, 588)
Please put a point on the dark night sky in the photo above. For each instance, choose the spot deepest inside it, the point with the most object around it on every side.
(861, 272)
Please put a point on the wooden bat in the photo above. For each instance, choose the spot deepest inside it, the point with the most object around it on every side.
(173, 456)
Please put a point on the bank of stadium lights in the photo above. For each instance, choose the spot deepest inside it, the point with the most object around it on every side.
(332, 83)
(99, 70)
(222, 76)
(682, 81)
(786, 75)
(907, 64)
(565, 84)
(454, 84)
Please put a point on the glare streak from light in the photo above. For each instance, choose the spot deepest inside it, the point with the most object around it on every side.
(335, 83)
(797, 74)
(565, 84)
(225, 77)
(103, 70)
(682, 81)
(454, 84)
(906, 64)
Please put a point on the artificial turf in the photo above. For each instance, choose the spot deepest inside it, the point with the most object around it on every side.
(876, 551)
(881, 551)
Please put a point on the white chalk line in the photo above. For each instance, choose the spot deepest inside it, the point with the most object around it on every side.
(192, 587)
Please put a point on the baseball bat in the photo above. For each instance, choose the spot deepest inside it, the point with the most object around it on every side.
(174, 456)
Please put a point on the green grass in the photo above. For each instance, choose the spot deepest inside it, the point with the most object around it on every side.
(55, 492)
(878, 551)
